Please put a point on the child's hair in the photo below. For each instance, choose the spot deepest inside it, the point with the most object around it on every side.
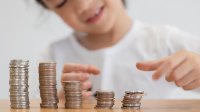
(42, 3)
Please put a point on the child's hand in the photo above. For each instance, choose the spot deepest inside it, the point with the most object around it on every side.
(183, 68)
(78, 72)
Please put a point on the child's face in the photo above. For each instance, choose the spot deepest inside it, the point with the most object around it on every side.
(89, 16)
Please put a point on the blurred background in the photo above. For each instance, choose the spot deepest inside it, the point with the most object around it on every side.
(26, 30)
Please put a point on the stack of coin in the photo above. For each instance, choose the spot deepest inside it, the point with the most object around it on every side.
(19, 95)
(132, 99)
(48, 90)
(105, 99)
(73, 96)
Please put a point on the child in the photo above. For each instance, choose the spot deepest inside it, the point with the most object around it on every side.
(107, 43)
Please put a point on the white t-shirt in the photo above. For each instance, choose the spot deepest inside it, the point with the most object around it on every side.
(117, 63)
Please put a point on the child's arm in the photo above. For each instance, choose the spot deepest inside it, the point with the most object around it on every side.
(183, 68)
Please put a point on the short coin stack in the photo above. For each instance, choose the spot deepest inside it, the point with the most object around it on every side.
(73, 95)
(132, 100)
(48, 90)
(105, 99)
(19, 95)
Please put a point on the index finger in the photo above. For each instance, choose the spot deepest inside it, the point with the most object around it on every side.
(149, 65)
(80, 68)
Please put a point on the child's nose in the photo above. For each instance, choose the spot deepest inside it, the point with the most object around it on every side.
(82, 5)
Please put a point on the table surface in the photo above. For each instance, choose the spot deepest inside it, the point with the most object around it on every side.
(88, 106)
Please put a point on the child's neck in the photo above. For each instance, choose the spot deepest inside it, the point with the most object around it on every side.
(95, 42)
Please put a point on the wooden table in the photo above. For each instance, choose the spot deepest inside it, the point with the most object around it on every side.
(88, 106)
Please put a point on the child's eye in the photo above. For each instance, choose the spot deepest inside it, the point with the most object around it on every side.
(61, 4)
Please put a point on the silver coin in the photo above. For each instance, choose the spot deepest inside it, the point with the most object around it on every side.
(18, 80)
(46, 81)
(43, 75)
(105, 103)
(47, 64)
(50, 100)
(20, 102)
(131, 108)
(49, 95)
(105, 100)
(47, 92)
(18, 77)
(19, 107)
(132, 105)
(53, 105)
(19, 63)
(19, 74)
(51, 72)
(134, 92)
(132, 97)
(72, 95)
(19, 88)
(19, 99)
(50, 83)
(19, 68)
(71, 82)
(47, 77)
(17, 84)
(18, 92)
(102, 92)
(73, 106)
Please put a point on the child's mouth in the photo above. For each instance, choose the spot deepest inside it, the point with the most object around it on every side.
(96, 16)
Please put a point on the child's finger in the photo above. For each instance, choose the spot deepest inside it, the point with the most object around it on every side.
(86, 85)
(149, 65)
(192, 85)
(93, 69)
(80, 68)
(169, 64)
(86, 94)
(187, 79)
(67, 68)
(75, 76)
(181, 71)
(159, 72)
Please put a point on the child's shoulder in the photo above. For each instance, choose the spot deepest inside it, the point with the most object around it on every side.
(156, 28)
(155, 32)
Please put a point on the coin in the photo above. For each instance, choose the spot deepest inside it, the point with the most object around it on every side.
(105, 99)
(132, 99)
(19, 95)
(47, 80)
(73, 95)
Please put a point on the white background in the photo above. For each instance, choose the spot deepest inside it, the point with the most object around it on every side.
(26, 29)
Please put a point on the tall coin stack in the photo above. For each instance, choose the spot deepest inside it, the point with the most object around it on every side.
(19, 95)
(132, 99)
(105, 99)
(73, 95)
(48, 90)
